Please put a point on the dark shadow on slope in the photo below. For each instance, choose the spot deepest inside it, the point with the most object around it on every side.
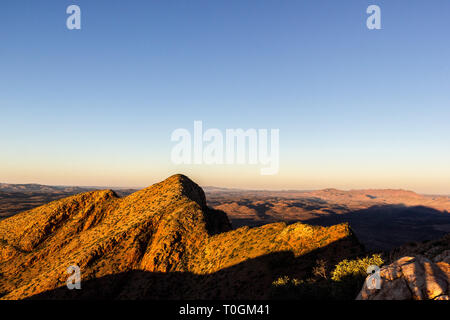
(383, 227)
(249, 222)
(251, 279)
(261, 209)
(380, 227)
(216, 221)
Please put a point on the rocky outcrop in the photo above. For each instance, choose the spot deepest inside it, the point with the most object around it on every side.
(159, 242)
(412, 278)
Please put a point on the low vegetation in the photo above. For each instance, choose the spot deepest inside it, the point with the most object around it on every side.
(342, 283)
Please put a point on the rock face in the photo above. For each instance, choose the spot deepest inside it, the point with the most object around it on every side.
(413, 278)
(162, 242)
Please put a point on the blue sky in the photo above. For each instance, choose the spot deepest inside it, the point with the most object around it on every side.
(356, 108)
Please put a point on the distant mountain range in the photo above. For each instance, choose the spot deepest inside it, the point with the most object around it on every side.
(15, 198)
(31, 187)
(382, 219)
(39, 188)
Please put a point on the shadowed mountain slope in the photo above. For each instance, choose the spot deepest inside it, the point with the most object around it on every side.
(164, 229)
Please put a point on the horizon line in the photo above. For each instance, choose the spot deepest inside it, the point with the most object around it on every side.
(226, 188)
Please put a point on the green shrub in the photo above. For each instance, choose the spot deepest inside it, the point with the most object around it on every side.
(286, 281)
(349, 275)
(346, 280)
(285, 288)
(355, 268)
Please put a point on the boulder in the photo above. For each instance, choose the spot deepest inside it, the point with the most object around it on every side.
(411, 278)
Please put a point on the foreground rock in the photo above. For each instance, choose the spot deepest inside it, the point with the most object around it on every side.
(413, 278)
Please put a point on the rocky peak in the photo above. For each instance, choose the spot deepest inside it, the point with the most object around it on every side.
(176, 186)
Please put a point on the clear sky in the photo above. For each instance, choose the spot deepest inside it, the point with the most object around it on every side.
(356, 108)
